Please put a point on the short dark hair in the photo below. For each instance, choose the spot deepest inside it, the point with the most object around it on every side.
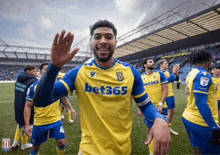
(103, 23)
(199, 56)
(145, 61)
(215, 65)
(43, 64)
(29, 67)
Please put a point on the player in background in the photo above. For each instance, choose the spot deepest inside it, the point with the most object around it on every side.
(24, 80)
(66, 99)
(200, 117)
(156, 85)
(171, 77)
(105, 88)
(47, 120)
(215, 70)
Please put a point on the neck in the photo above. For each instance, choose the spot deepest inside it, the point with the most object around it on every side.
(163, 69)
(107, 64)
(204, 66)
(149, 71)
(217, 75)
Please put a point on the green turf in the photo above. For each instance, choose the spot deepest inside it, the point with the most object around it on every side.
(180, 144)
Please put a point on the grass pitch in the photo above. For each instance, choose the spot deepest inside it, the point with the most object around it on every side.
(180, 144)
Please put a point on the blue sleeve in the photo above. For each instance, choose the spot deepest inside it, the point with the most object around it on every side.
(151, 112)
(30, 93)
(200, 89)
(44, 94)
(163, 78)
(171, 78)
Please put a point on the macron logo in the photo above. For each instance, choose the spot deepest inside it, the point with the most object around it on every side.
(92, 74)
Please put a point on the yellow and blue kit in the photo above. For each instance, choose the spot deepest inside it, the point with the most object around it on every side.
(105, 100)
(153, 85)
(47, 119)
(201, 114)
(217, 82)
(171, 77)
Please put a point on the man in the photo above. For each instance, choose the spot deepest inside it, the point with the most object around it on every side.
(170, 98)
(156, 86)
(24, 80)
(201, 114)
(104, 89)
(47, 120)
(215, 70)
(62, 105)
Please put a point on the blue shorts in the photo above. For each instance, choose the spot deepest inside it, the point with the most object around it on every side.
(200, 137)
(218, 104)
(170, 102)
(150, 124)
(40, 134)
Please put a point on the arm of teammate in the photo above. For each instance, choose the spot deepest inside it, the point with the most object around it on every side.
(67, 103)
(160, 130)
(201, 97)
(27, 116)
(47, 92)
(165, 90)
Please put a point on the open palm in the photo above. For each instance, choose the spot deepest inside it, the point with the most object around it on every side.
(61, 49)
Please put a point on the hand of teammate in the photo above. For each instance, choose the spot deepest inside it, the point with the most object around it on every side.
(28, 131)
(74, 113)
(160, 108)
(140, 113)
(162, 137)
(61, 49)
(216, 137)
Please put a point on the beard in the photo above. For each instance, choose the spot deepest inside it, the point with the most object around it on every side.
(151, 68)
(103, 59)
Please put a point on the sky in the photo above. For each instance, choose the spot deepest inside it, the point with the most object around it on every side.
(35, 22)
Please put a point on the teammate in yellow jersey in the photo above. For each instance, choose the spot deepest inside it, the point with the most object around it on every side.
(47, 119)
(105, 88)
(215, 70)
(200, 117)
(171, 77)
(156, 86)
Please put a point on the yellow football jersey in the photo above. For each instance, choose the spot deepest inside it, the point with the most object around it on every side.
(191, 112)
(105, 100)
(153, 85)
(44, 114)
(217, 82)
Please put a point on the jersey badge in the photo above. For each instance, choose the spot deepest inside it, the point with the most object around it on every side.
(204, 81)
(120, 76)
(155, 77)
(92, 73)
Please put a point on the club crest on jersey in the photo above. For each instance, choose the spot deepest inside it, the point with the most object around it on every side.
(92, 73)
(120, 76)
(155, 77)
(204, 81)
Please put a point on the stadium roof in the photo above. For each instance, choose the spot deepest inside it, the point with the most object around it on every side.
(200, 28)
(9, 53)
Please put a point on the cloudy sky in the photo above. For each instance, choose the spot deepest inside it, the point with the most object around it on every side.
(35, 22)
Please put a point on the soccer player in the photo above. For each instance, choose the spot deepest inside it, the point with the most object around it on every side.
(47, 120)
(200, 117)
(24, 80)
(105, 88)
(156, 86)
(170, 98)
(215, 70)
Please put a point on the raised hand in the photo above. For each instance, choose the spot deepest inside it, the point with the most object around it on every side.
(61, 49)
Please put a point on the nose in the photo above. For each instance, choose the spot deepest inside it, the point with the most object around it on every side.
(103, 40)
